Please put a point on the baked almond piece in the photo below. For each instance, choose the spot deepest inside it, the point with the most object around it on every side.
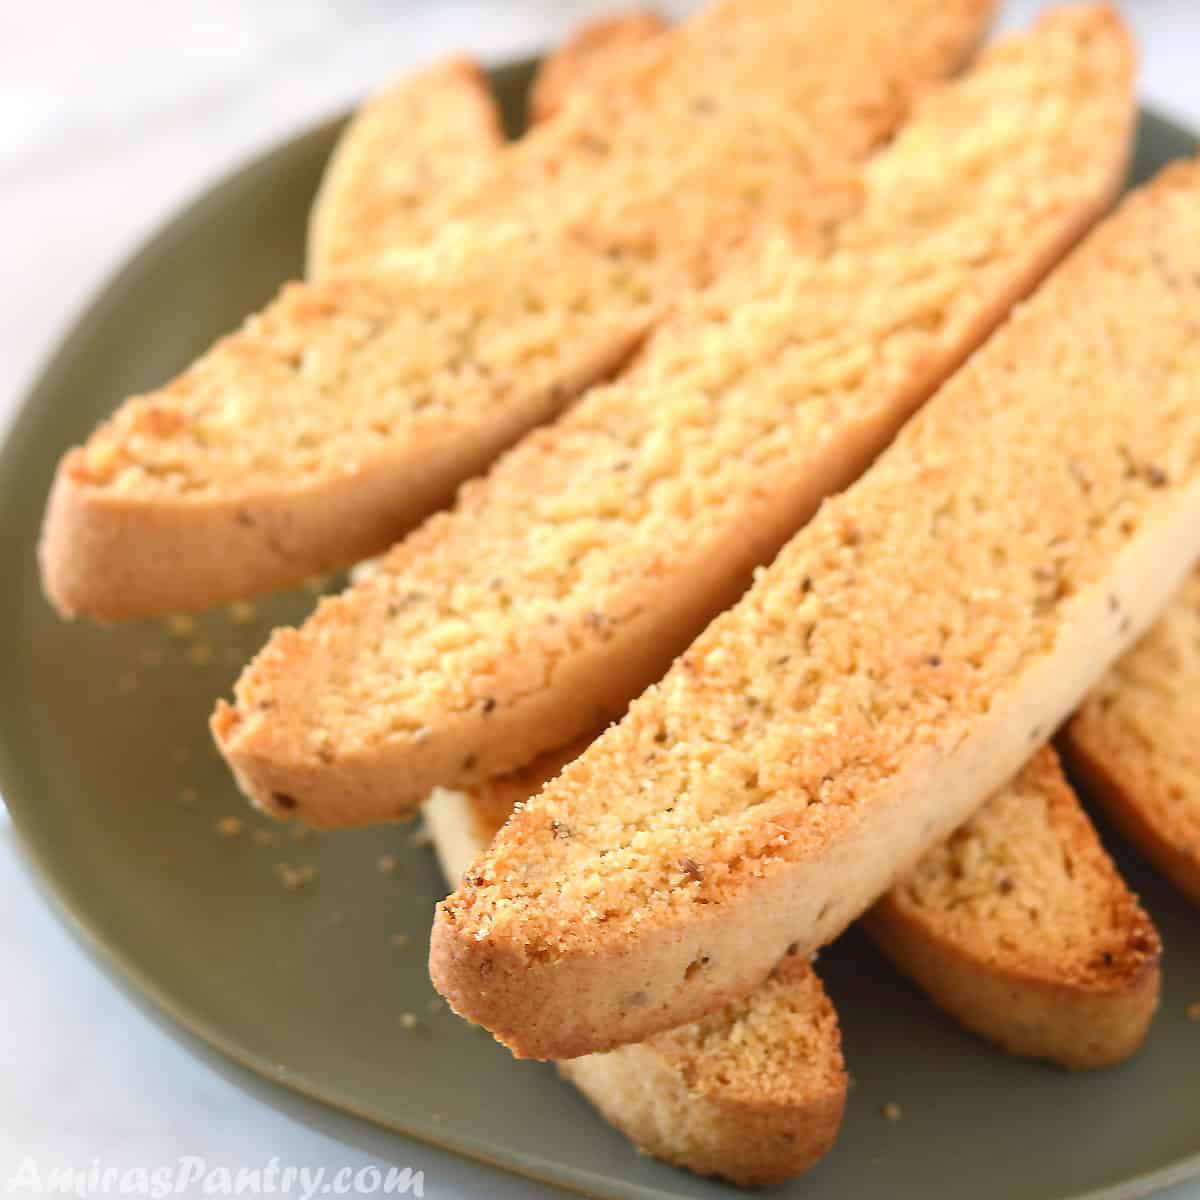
(395, 162)
(895, 664)
(568, 579)
(350, 408)
(753, 1093)
(1136, 740)
(1021, 928)
(594, 56)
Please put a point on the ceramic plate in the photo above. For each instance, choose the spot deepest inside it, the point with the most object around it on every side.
(107, 769)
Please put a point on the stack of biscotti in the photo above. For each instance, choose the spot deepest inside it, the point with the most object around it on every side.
(713, 1099)
(352, 406)
(1016, 987)
(1018, 923)
(896, 663)
(568, 578)
(1019, 926)
(1136, 740)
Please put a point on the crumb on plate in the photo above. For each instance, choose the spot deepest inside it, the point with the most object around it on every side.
(296, 878)
(199, 654)
(180, 625)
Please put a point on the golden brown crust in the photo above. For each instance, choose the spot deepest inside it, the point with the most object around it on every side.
(1136, 742)
(395, 163)
(1121, 791)
(1021, 928)
(594, 55)
(889, 671)
(569, 578)
(567, 225)
(753, 1094)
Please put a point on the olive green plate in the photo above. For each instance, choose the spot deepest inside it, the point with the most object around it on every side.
(107, 770)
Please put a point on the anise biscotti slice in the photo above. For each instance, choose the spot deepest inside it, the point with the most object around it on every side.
(568, 579)
(896, 663)
(753, 1093)
(1136, 740)
(1020, 927)
(592, 57)
(397, 158)
(349, 409)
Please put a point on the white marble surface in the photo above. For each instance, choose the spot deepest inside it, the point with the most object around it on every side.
(113, 115)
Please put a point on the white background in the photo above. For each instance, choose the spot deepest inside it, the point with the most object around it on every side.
(112, 115)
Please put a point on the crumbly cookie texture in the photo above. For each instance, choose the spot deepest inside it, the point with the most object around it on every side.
(569, 578)
(753, 1093)
(1137, 741)
(397, 161)
(1020, 926)
(892, 667)
(597, 55)
(351, 408)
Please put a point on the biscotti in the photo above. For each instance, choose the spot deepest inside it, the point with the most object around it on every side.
(1018, 925)
(414, 144)
(351, 408)
(896, 663)
(1021, 928)
(408, 147)
(753, 1093)
(566, 580)
(1136, 740)
(592, 57)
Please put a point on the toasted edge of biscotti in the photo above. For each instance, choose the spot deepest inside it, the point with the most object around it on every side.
(1126, 761)
(1123, 794)
(593, 56)
(1084, 1009)
(394, 160)
(668, 1095)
